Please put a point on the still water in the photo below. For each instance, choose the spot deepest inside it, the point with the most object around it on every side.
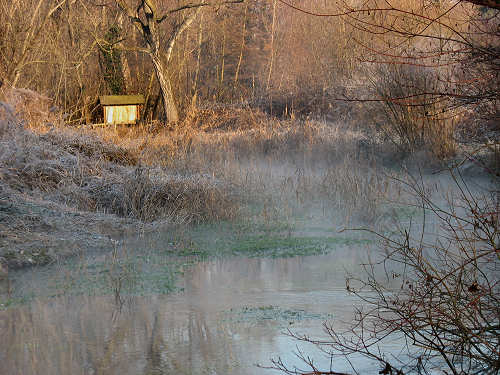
(226, 316)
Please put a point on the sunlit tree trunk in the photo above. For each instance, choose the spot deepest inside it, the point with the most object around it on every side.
(148, 26)
(166, 89)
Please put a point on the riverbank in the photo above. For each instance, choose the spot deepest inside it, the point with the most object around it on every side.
(66, 190)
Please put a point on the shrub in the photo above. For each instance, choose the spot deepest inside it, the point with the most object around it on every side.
(414, 117)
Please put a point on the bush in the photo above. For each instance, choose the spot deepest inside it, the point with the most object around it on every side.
(414, 117)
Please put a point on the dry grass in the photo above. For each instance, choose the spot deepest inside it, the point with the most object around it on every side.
(60, 183)
(83, 171)
(357, 190)
(207, 137)
(266, 159)
(149, 194)
(215, 163)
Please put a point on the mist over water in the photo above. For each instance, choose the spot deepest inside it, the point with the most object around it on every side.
(226, 300)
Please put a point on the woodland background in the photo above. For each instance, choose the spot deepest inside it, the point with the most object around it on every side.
(424, 56)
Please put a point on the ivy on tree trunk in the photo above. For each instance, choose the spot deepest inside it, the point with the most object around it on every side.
(111, 61)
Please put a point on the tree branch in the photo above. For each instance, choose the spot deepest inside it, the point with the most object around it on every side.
(198, 5)
(133, 16)
(495, 4)
(178, 31)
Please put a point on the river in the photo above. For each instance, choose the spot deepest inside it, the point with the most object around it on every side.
(225, 316)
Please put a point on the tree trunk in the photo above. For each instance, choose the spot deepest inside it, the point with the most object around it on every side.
(166, 90)
(127, 76)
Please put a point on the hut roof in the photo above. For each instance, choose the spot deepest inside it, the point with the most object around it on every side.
(121, 99)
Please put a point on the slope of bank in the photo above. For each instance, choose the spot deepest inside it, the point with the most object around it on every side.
(63, 192)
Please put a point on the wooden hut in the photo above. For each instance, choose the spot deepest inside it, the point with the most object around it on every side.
(121, 109)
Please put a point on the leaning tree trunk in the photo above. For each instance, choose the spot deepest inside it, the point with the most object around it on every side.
(166, 90)
(149, 31)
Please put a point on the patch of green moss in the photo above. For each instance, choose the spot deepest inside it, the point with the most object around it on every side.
(259, 240)
(278, 247)
(268, 246)
(405, 212)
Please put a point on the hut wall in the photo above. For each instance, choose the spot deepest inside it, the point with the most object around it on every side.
(123, 114)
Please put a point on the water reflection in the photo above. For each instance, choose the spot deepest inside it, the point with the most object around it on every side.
(192, 332)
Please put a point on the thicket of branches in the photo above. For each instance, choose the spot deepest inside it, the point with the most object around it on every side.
(437, 294)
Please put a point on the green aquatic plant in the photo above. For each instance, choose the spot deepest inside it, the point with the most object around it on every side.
(279, 315)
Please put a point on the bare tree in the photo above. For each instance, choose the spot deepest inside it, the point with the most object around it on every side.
(147, 17)
(455, 39)
(17, 56)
